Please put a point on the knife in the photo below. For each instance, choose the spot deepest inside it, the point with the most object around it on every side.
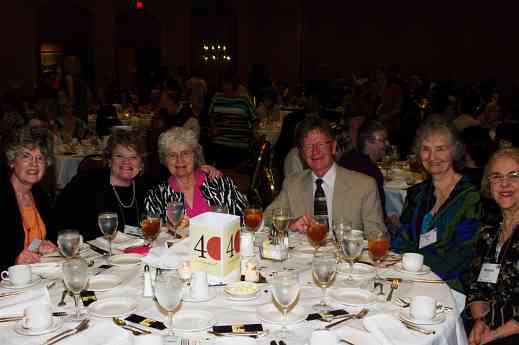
(79, 328)
(97, 249)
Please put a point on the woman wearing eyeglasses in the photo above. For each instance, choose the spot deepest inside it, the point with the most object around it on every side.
(181, 153)
(492, 312)
(26, 213)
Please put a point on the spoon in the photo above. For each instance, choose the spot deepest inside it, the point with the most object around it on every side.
(61, 302)
(359, 315)
(134, 329)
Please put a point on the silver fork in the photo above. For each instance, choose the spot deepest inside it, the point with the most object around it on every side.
(394, 285)
(69, 332)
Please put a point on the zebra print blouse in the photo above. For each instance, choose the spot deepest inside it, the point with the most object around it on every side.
(220, 191)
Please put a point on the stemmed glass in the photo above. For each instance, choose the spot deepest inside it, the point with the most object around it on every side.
(285, 289)
(108, 222)
(339, 229)
(75, 276)
(221, 209)
(324, 268)
(169, 289)
(280, 220)
(317, 231)
(175, 212)
(150, 227)
(352, 245)
(69, 242)
(378, 248)
(253, 216)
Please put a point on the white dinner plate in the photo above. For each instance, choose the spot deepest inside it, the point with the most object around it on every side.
(269, 313)
(8, 285)
(188, 298)
(57, 323)
(125, 260)
(242, 289)
(103, 282)
(425, 269)
(353, 297)
(406, 316)
(193, 321)
(360, 271)
(112, 307)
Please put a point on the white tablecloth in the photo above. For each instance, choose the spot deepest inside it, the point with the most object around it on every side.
(450, 332)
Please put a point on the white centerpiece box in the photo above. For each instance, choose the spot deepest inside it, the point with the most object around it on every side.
(215, 246)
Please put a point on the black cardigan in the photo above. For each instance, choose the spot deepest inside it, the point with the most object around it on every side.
(90, 193)
(14, 235)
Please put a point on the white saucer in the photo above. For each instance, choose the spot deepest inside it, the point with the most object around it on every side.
(425, 269)
(57, 323)
(269, 313)
(193, 321)
(126, 260)
(406, 316)
(210, 296)
(353, 297)
(112, 307)
(103, 282)
(7, 284)
(361, 271)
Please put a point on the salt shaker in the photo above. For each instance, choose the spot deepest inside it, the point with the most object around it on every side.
(148, 289)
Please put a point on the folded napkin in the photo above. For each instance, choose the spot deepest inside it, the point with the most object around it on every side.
(163, 257)
(100, 333)
(120, 242)
(143, 250)
(355, 336)
(389, 331)
(15, 305)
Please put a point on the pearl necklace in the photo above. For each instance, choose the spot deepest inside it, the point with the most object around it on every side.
(119, 199)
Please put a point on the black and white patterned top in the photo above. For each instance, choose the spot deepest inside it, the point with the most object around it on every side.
(220, 191)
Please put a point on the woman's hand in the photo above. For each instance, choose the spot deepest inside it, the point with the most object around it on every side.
(301, 224)
(27, 257)
(181, 229)
(211, 171)
(47, 247)
(479, 332)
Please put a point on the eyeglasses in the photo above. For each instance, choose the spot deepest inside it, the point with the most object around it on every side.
(27, 158)
(185, 155)
(319, 146)
(131, 159)
(496, 178)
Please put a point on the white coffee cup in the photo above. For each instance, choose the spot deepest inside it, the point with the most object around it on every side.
(423, 308)
(323, 337)
(18, 275)
(412, 262)
(37, 317)
(199, 285)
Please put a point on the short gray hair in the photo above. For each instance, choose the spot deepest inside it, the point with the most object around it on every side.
(510, 152)
(30, 138)
(179, 136)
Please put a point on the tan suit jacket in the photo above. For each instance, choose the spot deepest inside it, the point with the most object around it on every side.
(355, 198)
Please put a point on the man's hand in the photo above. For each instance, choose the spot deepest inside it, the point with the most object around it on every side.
(26, 257)
(301, 224)
(47, 247)
(479, 332)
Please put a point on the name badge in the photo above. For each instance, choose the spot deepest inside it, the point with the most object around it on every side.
(132, 230)
(489, 273)
(428, 238)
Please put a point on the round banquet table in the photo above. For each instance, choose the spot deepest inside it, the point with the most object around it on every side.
(225, 311)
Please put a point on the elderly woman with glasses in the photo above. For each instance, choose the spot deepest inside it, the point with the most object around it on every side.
(181, 153)
(491, 314)
(441, 215)
(26, 212)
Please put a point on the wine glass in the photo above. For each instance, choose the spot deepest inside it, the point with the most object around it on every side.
(108, 222)
(352, 245)
(175, 213)
(75, 276)
(340, 227)
(280, 220)
(378, 248)
(324, 268)
(150, 227)
(285, 289)
(69, 242)
(253, 216)
(169, 289)
(317, 231)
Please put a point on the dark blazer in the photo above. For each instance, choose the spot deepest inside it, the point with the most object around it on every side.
(90, 193)
(13, 233)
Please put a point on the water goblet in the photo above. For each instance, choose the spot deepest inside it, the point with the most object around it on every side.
(285, 289)
(69, 242)
(168, 290)
(75, 277)
(352, 245)
(108, 222)
(324, 268)
(175, 213)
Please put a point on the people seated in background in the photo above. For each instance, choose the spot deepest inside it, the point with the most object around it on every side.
(171, 114)
(106, 119)
(27, 216)
(492, 298)
(199, 188)
(348, 195)
(371, 147)
(196, 91)
(507, 135)
(70, 126)
(441, 215)
(118, 188)
(268, 110)
(466, 116)
(478, 149)
(293, 163)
